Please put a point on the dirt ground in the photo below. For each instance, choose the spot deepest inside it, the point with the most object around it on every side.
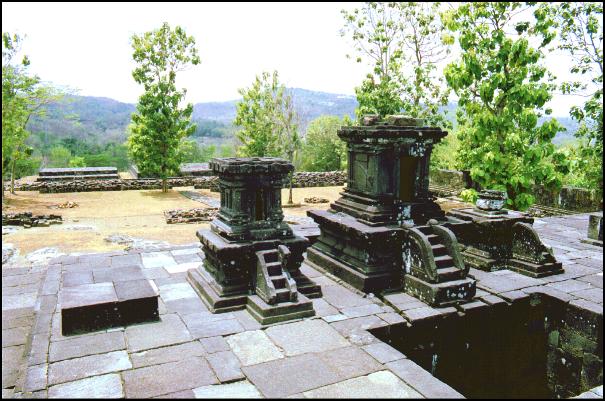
(137, 214)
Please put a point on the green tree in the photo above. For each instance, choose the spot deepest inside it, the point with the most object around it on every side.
(580, 27)
(59, 157)
(255, 116)
(159, 124)
(23, 97)
(268, 121)
(502, 90)
(77, 161)
(404, 42)
(193, 153)
(323, 150)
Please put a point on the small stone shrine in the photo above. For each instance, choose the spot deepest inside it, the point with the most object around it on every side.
(386, 233)
(495, 238)
(252, 256)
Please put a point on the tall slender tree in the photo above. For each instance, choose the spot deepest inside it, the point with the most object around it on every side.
(268, 121)
(403, 42)
(160, 124)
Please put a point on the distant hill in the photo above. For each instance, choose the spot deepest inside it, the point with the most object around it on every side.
(104, 120)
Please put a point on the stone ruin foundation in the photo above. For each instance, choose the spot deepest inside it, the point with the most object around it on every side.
(386, 233)
(252, 256)
(28, 219)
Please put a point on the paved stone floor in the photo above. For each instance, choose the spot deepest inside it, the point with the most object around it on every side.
(194, 353)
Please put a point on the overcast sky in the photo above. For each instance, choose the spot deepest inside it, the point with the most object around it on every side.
(87, 46)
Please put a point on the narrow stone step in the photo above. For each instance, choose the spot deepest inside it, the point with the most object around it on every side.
(439, 250)
(433, 239)
(444, 261)
(283, 295)
(425, 230)
(274, 268)
(449, 274)
(279, 282)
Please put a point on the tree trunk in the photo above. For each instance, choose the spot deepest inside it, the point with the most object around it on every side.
(12, 176)
(290, 193)
(164, 185)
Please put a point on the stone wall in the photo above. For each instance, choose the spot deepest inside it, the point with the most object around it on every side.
(301, 179)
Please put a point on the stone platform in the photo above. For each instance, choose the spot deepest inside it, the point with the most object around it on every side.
(106, 297)
(332, 355)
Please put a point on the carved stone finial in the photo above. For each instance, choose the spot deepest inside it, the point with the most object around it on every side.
(491, 200)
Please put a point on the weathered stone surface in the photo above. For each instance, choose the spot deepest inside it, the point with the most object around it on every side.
(169, 331)
(214, 344)
(11, 361)
(348, 326)
(79, 368)
(307, 336)
(240, 389)
(86, 345)
(421, 380)
(382, 352)
(253, 347)
(167, 354)
(15, 336)
(157, 259)
(205, 325)
(383, 384)
(171, 292)
(106, 386)
(168, 378)
(226, 366)
(296, 374)
(36, 378)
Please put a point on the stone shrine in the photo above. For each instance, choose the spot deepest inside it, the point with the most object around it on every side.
(385, 233)
(252, 256)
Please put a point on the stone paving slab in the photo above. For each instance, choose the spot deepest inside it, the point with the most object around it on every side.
(86, 345)
(240, 389)
(167, 354)
(105, 386)
(226, 366)
(80, 368)
(253, 347)
(383, 384)
(306, 336)
(168, 378)
(169, 331)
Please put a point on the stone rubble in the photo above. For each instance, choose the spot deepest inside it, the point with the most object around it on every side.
(194, 215)
(27, 219)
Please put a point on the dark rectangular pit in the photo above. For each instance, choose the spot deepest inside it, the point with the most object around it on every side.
(539, 347)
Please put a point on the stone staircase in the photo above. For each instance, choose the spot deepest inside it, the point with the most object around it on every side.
(446, 268)
(273, 283)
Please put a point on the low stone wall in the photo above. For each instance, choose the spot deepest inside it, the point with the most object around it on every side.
(451, 178)
(301, 179)
(102, 185)
(319, 179)
(27, 219)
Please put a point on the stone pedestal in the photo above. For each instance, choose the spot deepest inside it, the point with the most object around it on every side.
(242, 246)
(119, 297)
(595, 229)
(494, 238)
